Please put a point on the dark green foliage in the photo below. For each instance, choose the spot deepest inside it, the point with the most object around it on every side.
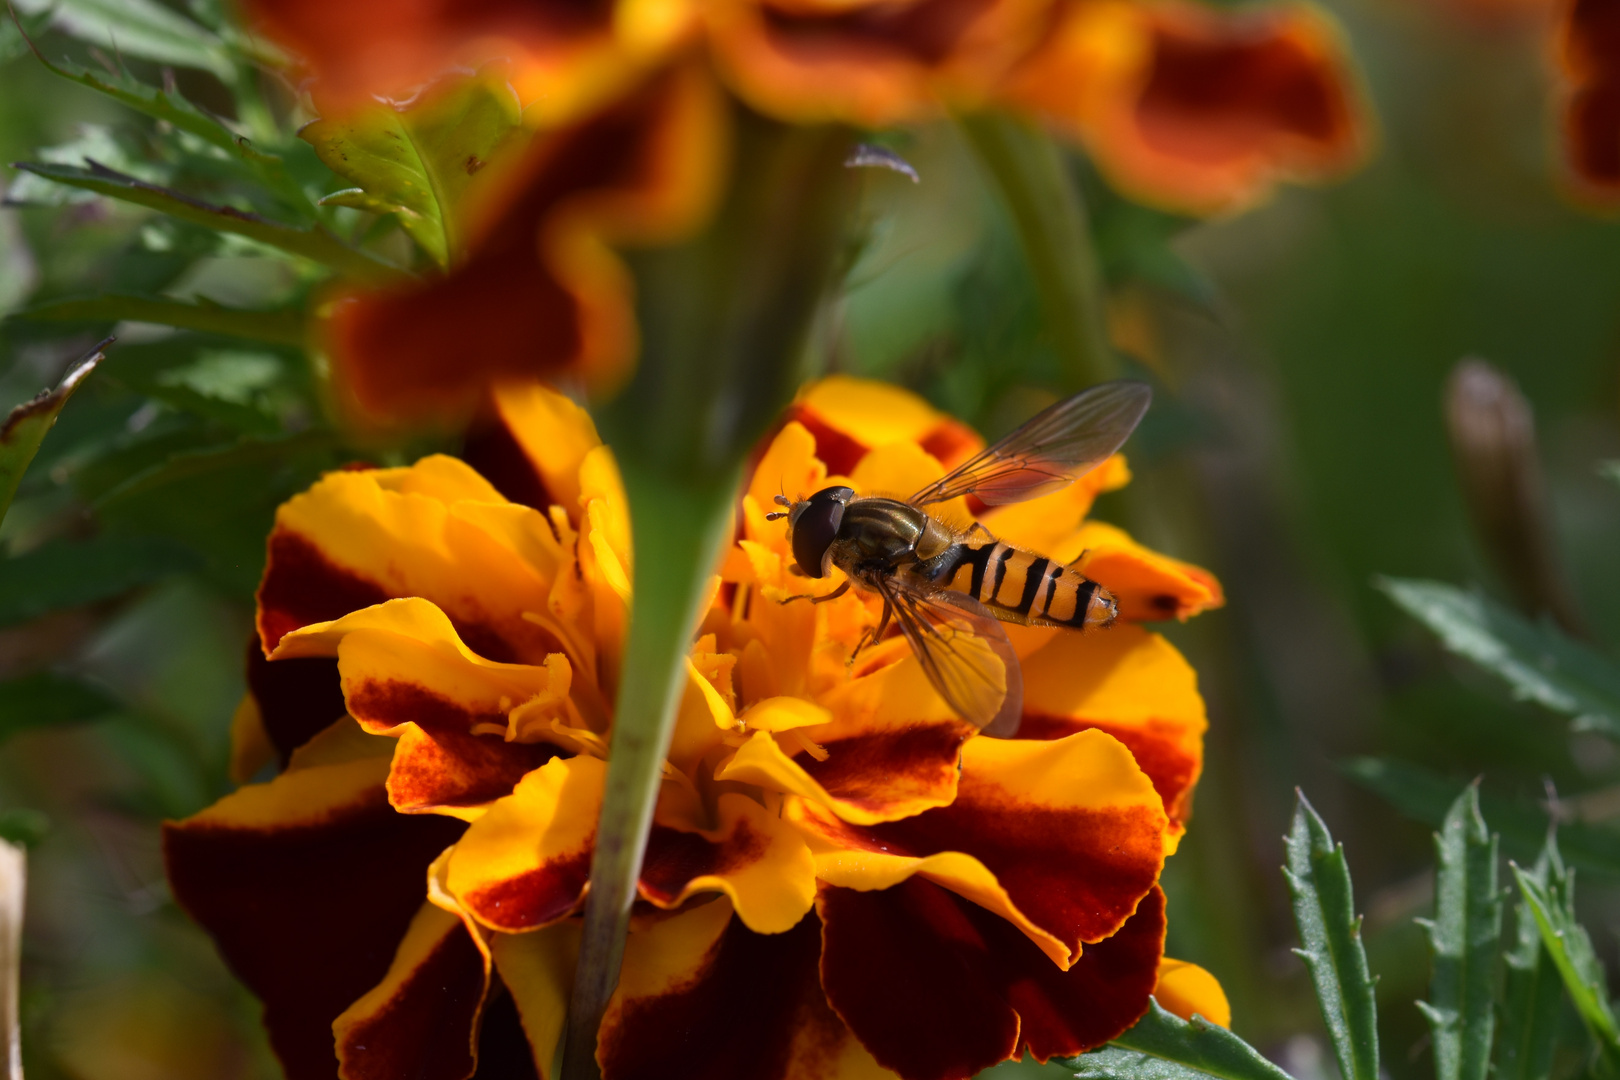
(1463, 939)
(1532, 992)
(1163, 1046)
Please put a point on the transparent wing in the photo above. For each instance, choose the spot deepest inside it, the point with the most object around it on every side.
(964, 652)
(1056, 447)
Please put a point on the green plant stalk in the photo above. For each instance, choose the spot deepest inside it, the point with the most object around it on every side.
(285, 327)
(725, 321)
(1046, 208)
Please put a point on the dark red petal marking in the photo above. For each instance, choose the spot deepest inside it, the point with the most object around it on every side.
(938, 988)
(1076, 873)
(425, 1032)
(536, 897)
(447, 765)
(879, 769)
(674, 858)
(302, 586)
(738, 1017)
(494, 451)
(308, 917)
(503, 1049)
(838, 451)
(297, 699)
(1172, 769)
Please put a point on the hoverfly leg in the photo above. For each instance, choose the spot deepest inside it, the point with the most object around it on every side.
(978, 527)
(835, 594)
(873, 635)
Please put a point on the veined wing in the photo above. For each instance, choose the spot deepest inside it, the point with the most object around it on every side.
(964, 652)
(1053, 449)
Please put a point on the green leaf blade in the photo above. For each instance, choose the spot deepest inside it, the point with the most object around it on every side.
(1162, 1046)
(1330, 935)
(278, 327)
(1463, 937)
(1532, 997)
(1538, 662)
(1552, 905)
(26, 427)
(64, 575)
(46, 698)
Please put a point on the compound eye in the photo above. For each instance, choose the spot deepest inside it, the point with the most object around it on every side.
(815, 530)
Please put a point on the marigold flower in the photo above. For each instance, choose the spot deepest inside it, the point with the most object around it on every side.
(1589, 63)
(442, 662)
(1198, 109)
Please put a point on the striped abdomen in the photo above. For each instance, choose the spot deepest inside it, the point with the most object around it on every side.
(1022, 587)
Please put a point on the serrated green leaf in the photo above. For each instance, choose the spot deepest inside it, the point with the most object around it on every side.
(90, 142)
(1330, 939)
(1424, 796)
(417, 161)
(65, 575)
(1463, 938)
(1532, 996)
(1539, 662)
(47, 698)
(1552, 904)
(285, 327)
(1162, 1046)
(28, 423)
(316, 244)
(136, 28)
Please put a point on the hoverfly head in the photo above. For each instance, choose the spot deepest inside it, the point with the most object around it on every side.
(813, 525)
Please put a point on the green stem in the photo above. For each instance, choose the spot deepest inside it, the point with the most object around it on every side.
(686, 526)
(724, 321)
(1047, 211)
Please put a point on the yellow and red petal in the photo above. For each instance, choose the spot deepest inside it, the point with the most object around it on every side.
(849, 417)
(1196, 108)
(422, 1019)
(532, 445)
(938, 988)
(1589, 63)
(1150, 587)
(1188, 990)
(406, 673)
(694, 981)
(540, 293)
(1062, 839)
(1133, 685)
(358, 538)
(538, 971)
(294, 700)
(891, 750)
(564, 59)
(307, 884)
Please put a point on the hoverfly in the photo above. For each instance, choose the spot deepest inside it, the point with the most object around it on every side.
(950, 590)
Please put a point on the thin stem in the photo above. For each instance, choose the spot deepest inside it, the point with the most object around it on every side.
(1050, 217)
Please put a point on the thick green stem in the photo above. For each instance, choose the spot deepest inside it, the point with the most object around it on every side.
(724, 320)
(1050, 217)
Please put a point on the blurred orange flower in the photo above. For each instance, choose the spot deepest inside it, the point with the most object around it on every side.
(1589, 62)
(842, 879)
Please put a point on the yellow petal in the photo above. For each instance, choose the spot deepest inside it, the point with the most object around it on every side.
(553, 432)
(1187, 989)
(538, 969)
(1150, 587)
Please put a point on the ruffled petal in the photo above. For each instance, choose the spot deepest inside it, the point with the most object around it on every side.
(294, 701)
(1196, 108)
(1589, 62)
(1135, 686)
(1188, 990)
(306, 884)
(938, 988)
(867, 63)
(1062, 839)
(422, 1019)
(693, 981)
(538, 970)
(1149, 587)
(358, 538)
(849, 417)
(541, 292)
(468, 728)
(533, 446)
(526, 862)
(564, 58)
(891, 750)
